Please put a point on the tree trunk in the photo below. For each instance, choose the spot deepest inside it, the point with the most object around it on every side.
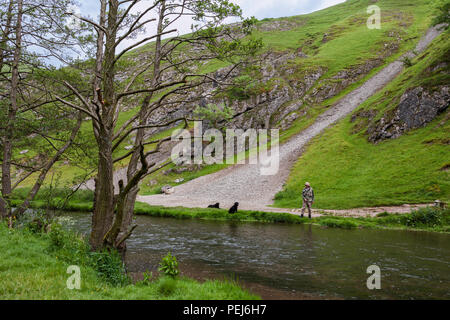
(130, 199)
(12, 112)
(103, 214)
(6, 169)
(5, 209)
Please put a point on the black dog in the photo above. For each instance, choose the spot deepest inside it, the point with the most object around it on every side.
(216, 206)
(234, 208)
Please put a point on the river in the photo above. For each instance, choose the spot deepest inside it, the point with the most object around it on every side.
(280, 261)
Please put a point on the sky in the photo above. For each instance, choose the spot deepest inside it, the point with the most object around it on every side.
(258, 8)
(282, 8)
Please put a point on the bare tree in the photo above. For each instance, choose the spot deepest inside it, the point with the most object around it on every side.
(30, 33)
(163, 80)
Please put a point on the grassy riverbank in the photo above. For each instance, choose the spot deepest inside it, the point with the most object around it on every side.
(427, 219)
(34, 266)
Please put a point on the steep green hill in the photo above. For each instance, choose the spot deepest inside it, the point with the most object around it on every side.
(347, 170)
(313, 60)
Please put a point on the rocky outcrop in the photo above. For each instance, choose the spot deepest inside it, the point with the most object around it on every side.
(289, 91)
(268, 25)
(287, 84)
(417, 107)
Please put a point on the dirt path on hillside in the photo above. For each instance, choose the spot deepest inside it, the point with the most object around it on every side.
(244, 184)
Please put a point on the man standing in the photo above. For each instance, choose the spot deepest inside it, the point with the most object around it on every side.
(308, 199)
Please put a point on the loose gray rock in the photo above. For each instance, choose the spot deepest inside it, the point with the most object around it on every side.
(167, 189)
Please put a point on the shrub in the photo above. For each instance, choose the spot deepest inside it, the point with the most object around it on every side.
(407, 61)
(68, 246)
(109, 266)
(214, 113)
(430, 217)
(169, 266)
(240, 89)
(148, 277)
(36, 221)
(57, 236)
(74, 249)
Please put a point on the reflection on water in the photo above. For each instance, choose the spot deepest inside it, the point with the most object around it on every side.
(292, 261)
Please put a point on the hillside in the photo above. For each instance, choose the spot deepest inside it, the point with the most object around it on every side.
(245, 184)
(382, 154)
(307, 64)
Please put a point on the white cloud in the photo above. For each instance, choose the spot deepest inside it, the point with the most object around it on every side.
(259, 8)
(282, 8)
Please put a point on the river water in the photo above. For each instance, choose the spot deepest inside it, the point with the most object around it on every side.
(279, 261)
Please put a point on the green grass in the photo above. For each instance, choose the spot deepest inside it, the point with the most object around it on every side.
(424, 219)
(30, 268)
(338, 223)
(347, 171)
(349, 40)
